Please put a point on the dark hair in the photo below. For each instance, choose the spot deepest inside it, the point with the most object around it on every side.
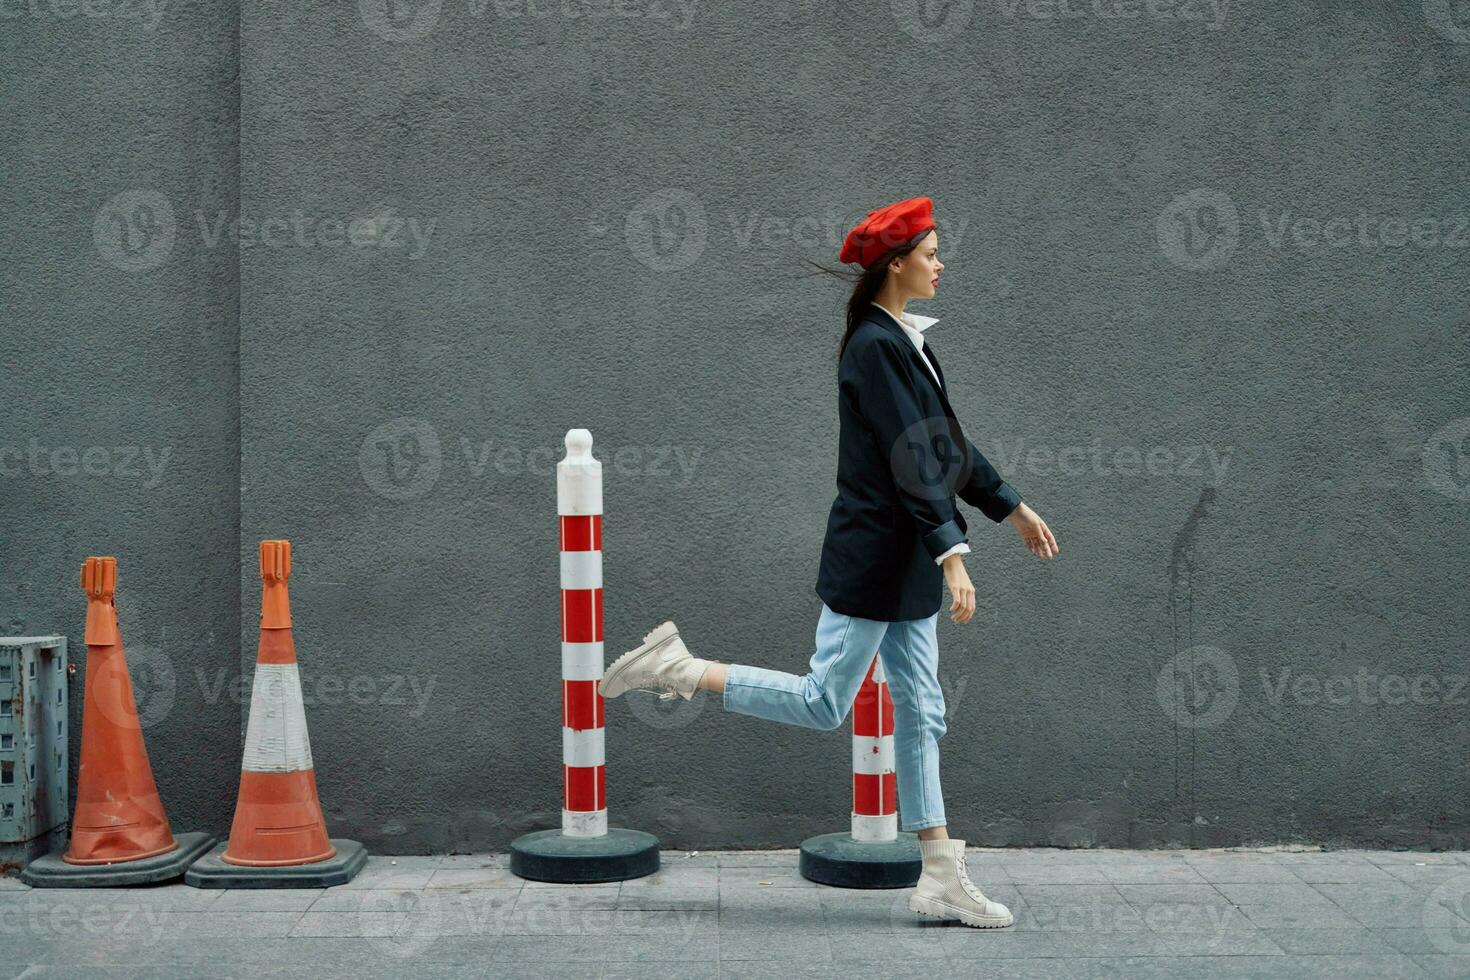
(866, 284)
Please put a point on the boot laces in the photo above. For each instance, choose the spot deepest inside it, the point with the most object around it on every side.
(970, 887)
(662, 682)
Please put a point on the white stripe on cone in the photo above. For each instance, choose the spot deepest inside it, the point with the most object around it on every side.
(275, 738)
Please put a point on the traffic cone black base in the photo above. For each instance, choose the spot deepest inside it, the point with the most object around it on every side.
(212, 871)
(51, 871)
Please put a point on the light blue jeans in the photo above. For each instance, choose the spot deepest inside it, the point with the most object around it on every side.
(822, 697)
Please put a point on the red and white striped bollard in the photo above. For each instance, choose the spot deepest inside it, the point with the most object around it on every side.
(584, 759)
(874, 781)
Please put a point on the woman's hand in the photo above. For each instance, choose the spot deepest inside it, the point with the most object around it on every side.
(961, 592)
(1033, 531)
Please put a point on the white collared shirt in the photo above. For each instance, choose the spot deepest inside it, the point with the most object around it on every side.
(914, 326)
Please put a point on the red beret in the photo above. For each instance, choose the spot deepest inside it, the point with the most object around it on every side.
(885, 228)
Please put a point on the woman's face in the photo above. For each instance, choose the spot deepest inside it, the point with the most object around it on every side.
(917, 273)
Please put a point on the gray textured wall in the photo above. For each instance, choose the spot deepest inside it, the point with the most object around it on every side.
(119, 332)
(467, 227)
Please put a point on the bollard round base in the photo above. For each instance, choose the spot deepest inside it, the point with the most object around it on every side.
(550, 855)
(50, 871)
(837, 859)
(212, 871)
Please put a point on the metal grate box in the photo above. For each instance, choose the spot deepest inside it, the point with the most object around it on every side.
(33, 757)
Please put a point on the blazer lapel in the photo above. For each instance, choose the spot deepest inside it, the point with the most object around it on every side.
(929, 352)
(886, 321)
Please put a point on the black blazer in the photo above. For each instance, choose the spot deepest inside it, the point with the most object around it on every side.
(901, 460)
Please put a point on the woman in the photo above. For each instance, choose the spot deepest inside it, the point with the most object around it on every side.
(893, 532)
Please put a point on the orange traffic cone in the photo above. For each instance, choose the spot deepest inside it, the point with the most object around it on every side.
(278, 819)
(279, 836)
(119, 832)
(119, 816)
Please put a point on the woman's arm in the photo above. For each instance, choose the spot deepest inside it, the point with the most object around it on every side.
(923, 460)
(998, 500)
(985, 489)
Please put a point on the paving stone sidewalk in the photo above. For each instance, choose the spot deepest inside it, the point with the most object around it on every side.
(1079, 914)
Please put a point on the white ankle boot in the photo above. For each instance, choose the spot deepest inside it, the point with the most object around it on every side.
(660, 663)
(945, 888)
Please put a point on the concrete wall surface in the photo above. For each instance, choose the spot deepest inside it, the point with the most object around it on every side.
(345, 273)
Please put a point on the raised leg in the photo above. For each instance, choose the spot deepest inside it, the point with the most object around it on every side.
(820, 698)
